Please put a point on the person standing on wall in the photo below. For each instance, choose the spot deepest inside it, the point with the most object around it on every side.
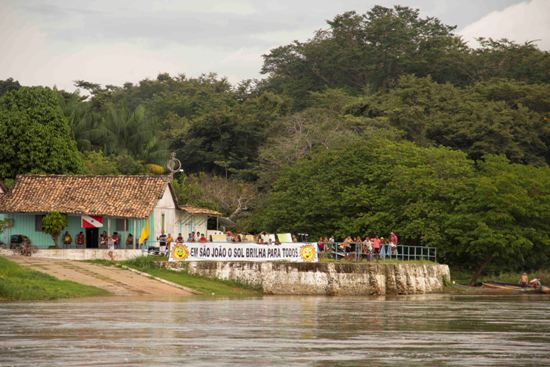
(393, 243)
(169, 241)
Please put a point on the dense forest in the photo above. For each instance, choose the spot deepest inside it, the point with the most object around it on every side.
(381, 121)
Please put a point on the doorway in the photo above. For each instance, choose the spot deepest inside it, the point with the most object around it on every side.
(92, 237)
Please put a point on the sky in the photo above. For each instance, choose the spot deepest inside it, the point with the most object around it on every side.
(55, 42)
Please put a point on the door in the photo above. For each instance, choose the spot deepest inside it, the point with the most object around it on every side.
(92, 237)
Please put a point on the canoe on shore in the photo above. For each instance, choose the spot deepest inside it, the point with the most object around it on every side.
(514, 287)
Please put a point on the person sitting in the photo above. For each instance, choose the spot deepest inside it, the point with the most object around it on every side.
(116, 239)
(191, 237)
(103, 240)
(202, 238)
(259, 239)
(229, 236)
(345, 245)
(67, 240)
(110, 243)
(535, 283)
(80, 240)
(179, 239)
(524, 280)
(162, 242)
(129, 241)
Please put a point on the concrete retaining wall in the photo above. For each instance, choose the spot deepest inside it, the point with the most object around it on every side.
(327, 278)
(83, 254)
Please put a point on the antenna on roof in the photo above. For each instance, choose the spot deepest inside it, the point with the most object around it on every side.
(173, 165)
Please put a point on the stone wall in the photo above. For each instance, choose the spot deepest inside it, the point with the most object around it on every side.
(82, 254)
(327, 278)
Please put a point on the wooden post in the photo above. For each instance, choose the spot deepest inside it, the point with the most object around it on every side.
(135, 234)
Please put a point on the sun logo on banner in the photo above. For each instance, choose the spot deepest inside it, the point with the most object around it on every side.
(307, 252)
(180, 252)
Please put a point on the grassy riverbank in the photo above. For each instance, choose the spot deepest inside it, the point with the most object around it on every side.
(18, 283)
(206, 286)
(463, 277)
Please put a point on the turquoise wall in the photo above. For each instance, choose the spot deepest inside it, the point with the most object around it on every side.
(25, 224)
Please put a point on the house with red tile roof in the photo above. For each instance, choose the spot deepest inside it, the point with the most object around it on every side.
(97, 204)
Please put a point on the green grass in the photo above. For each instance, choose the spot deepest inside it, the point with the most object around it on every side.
(463, 277)
(18, 283)
(206, 286)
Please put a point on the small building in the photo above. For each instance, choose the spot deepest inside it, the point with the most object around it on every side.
(97, 204)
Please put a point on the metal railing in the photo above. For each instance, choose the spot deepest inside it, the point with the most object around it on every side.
(359, 252)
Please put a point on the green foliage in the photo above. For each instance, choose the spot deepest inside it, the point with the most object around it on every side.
(8, 85)
(95, 163)
(383, 120)
(489, 118)
(4, 223)
(35, 135)
(53, 223)
(476, 215)
(373, 49)
(21, 284)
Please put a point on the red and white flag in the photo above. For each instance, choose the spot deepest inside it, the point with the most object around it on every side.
(92, 221)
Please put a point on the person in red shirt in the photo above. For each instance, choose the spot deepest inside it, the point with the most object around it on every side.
(203, 239)
(376, 246)
(80, 240)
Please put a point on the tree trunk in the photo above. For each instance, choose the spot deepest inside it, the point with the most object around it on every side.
(480, 269)
(55, 238)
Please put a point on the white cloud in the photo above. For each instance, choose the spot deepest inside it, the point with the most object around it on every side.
(54, 42)
(521, 22)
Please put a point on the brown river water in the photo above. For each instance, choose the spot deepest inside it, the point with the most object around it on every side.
(429, 330)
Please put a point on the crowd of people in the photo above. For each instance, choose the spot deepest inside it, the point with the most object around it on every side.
(353, 245)
(105, 241)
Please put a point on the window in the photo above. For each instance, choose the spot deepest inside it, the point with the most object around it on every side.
(38, 222)
(121, 224)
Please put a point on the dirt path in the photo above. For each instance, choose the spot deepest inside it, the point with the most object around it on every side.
(119, 282)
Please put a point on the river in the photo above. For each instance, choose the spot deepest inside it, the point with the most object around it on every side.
(428, 330)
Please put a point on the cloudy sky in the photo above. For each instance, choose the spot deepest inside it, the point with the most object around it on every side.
(54, 42)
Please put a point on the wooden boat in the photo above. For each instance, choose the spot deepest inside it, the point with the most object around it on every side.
(511, 287)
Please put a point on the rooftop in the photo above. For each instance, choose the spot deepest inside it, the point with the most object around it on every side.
(117, 196)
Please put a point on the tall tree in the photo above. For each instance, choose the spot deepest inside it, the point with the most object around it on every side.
(35, 134)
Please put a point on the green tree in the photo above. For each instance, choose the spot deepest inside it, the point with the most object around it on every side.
(503, 218)
(369, 50)
(494, 122)
(8, 85)
(488, 215)
(35, 134)
(53, 223)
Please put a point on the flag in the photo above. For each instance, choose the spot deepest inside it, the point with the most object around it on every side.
(144, 232)
(91, 221)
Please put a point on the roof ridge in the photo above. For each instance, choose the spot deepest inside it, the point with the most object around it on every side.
(72, 175)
